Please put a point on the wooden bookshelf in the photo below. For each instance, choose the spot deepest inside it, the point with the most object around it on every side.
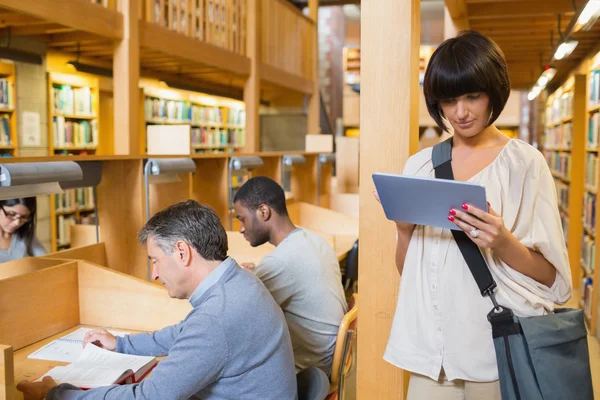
(8, 113)
(351, 64)
(73, 109)
(217, 124)
(565, 149)
(74, 206)
(589, 258)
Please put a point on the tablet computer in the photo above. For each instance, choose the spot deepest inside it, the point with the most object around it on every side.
(425, 201)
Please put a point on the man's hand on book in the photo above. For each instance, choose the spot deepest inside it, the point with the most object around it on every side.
(101, 338)
(36, 390)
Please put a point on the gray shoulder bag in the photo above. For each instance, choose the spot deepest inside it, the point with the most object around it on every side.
(539, 358)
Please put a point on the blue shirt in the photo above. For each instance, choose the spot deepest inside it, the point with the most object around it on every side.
(234, 344)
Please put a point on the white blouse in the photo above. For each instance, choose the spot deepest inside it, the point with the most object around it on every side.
(441, 317)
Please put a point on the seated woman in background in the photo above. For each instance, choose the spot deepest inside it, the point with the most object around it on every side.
(17, 230)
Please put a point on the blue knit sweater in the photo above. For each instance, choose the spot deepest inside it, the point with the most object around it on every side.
(234, 344)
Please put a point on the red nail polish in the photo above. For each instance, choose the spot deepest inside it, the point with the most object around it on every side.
(466, 207)
(450, 218)
(452, 212)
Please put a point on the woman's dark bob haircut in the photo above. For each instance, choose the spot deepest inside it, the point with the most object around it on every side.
(467, 63)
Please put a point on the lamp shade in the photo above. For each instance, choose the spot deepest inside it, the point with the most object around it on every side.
(326, 158)
(248, 162)
(160, 166)
(19, 174)
(92, 175)
(294, 159)
(37, 178)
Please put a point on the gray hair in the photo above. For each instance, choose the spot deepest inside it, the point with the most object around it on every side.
(191, 222)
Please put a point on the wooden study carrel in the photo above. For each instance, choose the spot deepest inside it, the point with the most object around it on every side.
(53, 297)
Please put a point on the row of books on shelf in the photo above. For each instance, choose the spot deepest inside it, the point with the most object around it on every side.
(73, 199)
(156, 109)
(559, 136)
(217, 138)
(591, 171)
(594, 88)
(587, 294)
(560, 163)
(66, 100)
(562, 190)
(588, 253)
(593, 132)
(561, 108)
(6, 94)
(64, 223)
(5, 132)
(589, 212)
(74, 134)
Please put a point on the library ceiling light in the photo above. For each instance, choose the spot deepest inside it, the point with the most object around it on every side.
(91, 69)
(541, 83)
(565, 49)
(546, 77)
(533, 93)
(588, 16)
(37, 178)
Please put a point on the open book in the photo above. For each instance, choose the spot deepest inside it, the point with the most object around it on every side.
(67, 348)
(97, 367)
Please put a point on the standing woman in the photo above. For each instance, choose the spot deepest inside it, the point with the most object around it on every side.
(440, 331)
(17, 230)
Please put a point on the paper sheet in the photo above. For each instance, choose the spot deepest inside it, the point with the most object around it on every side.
(97, 367)
(67, 348)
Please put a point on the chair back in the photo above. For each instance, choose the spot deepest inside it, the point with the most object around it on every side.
(351, 273)
(342, 355)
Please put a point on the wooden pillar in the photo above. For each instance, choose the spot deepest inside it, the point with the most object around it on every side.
(314, 127)
(252, 87)
(577, 185)
(126, 72)
(388, 136)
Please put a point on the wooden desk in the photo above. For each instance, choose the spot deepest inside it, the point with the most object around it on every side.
(32, 369)
(38, 306)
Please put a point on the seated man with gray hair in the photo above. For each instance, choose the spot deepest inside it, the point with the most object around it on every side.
(234, 344)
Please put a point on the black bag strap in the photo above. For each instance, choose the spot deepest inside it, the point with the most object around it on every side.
(441, 159)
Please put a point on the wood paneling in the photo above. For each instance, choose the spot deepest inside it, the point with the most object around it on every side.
(209, 185)
(37, 305)
(286, 38)
(389, 134)
(24, 266)
(107, 298)
(95, 253)
(166, 194)
(7, 378)
(271, 168)
(75, 14)
(171, 43)
(304, 181)
(121, 205)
